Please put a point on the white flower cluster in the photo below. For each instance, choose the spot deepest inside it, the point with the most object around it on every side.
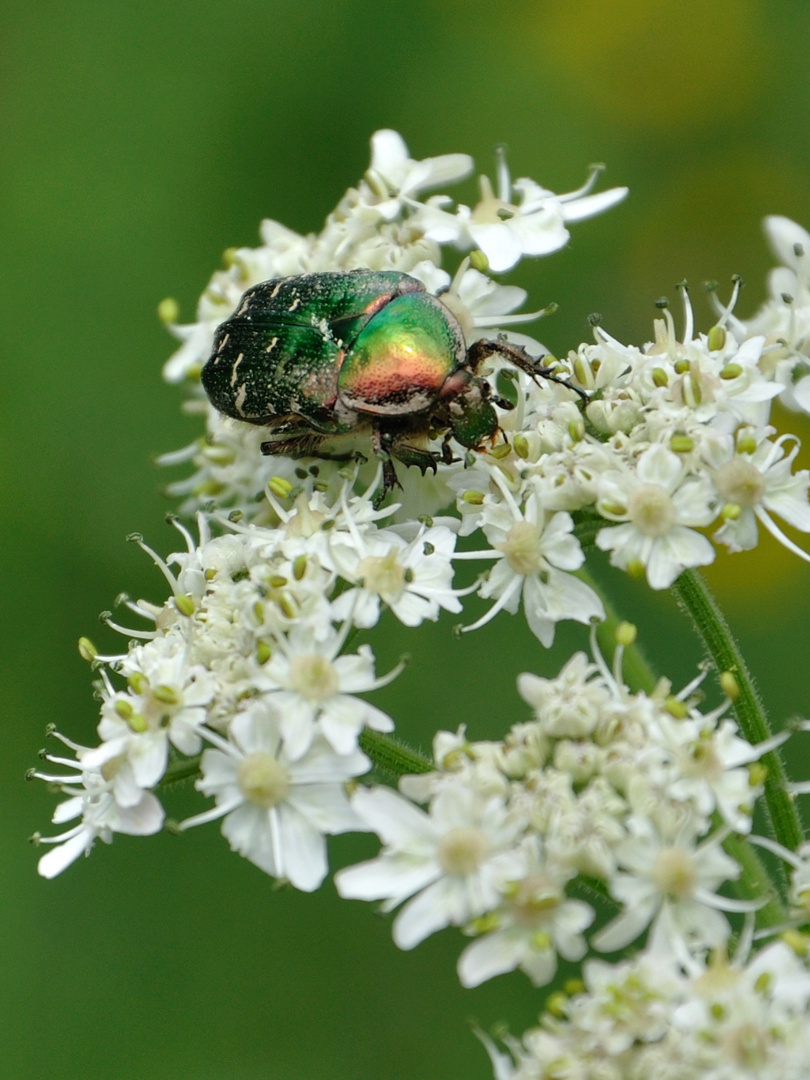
(248, 675)
(623, 789)
(675, 437)
(648, 1017)
(247, 655)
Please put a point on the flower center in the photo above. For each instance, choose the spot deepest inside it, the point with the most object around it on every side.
(262, 780)
(700, 760)
(747, 1045)
(109, 770)
(383, 575)
(651, 510)
(313, 677)
(491, 210)
(462, 850)
(674, 873)
(305, 521)
(522, 548)
(740, 482)
(535, 898)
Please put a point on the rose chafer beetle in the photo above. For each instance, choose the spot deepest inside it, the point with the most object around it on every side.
(322, 355)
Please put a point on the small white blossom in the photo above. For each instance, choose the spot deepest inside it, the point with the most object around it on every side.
(457, 859)
(535, 552)
(278, 810)
(413, 578)
(660, 506)
(535, 923)
(672, 885)
(91, 797)
(310, 684)
(506, 231)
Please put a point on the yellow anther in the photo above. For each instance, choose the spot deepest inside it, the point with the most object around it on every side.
(626, 634)
(184, 604)
(87, 650)
(168, 311)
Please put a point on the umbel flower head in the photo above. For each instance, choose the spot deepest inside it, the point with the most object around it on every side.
(642, 448)
(252, 673)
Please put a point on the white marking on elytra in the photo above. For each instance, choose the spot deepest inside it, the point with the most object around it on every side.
(275, 291)
(296, 302)
(271, 345)
(220, 347)
(237, 362)
(239, 400)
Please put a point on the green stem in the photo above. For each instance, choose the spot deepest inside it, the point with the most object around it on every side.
(694, 597)
(181, 769)
(391, 757)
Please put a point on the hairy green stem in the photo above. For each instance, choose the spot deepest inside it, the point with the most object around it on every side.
(391, 757)
(181, 769)
(695, 598)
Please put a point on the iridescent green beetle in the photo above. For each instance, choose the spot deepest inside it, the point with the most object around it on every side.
(322, 355)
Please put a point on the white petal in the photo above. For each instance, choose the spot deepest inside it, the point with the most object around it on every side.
(589, 205)
(492, 954)
(142, 820)
(500, 245)
(59, 858)
(540, 232)
(395, 820)
(148, 756)
(625, 927)
(431, 910)
(388, 152)
(247, 829)
(392, 877)
(783, 236)
(303, 850)
(660, 466)
(326, 807)
(671, 554)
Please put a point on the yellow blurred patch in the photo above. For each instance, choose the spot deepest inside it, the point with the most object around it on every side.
(657, 65)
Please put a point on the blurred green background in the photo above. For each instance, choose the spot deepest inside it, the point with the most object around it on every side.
(138, 140)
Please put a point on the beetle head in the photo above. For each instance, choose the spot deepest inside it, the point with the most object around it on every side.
(470, 414)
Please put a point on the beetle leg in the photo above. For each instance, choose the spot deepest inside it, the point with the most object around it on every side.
(517, 355)
(381, 446)
(447, 454)
(413, 455)
(309, 445)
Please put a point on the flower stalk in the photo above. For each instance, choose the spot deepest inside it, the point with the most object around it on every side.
(697, 601)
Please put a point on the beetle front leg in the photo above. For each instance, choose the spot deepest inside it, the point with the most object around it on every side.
(517, 355)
